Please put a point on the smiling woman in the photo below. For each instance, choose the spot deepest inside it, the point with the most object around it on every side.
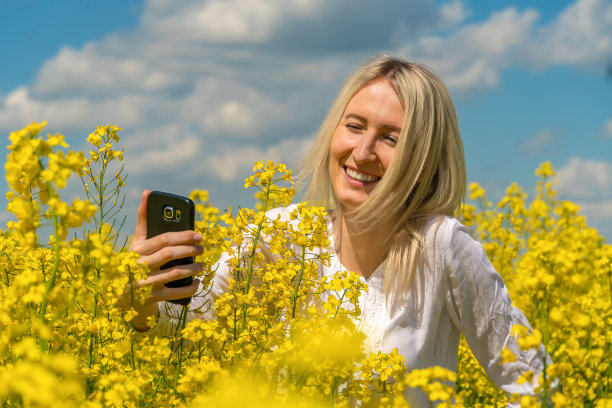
(364, 141)
(388, 166)
(408, 128)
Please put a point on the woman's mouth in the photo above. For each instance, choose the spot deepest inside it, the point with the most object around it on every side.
(359, 176)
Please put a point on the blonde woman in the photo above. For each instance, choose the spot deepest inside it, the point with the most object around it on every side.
(388, 163)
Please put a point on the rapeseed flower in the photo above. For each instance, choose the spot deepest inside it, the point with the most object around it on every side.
(282, 335)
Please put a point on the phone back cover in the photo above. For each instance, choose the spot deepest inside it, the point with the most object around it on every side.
(157, 224)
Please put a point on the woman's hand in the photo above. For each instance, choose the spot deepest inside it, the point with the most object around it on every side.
(155, 252)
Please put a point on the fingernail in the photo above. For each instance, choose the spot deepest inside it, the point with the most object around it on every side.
(200, 249)
(197, 236)
(200, 266)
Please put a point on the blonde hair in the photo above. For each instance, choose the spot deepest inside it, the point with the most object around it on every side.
(425, 179)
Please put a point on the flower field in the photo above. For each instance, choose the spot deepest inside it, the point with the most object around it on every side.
(282, 336)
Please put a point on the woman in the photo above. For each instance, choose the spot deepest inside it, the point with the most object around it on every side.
(389, 161)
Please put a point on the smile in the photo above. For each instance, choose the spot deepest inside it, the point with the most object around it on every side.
(358, 176)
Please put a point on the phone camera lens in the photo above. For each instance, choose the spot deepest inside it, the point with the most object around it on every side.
(168, 212)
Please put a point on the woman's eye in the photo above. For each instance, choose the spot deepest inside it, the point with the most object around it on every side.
(390, 138)
(353, 127)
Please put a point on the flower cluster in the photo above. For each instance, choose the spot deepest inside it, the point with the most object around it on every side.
(559, 273)
(104, 191)
(282, 335)
(35, 169)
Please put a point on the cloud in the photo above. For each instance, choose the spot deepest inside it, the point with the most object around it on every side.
(19, 108)
(588, 183)
(172, 154)
(583, 179)
(534, 146)
(454, 12)
(224, 21)
(606, 131)
(597, 212)
(226, 107)
(473, 56)
(99, 74)
(238, 161)
(581, 36)
(246, 68)
(198, 75)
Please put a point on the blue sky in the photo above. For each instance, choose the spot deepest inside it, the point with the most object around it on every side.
(204, 88)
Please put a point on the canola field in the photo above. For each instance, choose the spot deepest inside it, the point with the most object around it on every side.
(282, 336)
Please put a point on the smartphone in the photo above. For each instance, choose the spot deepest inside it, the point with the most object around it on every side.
(169, 213)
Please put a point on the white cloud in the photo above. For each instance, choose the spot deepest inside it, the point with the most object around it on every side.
(540, 141)
(228, 107)
(238, 162)
(583, 179)
(453, 12)
(19, 108)
(598, 214)
(95, 71)
(169, 156)
(598, 211)
(607, 130)
(195, 61)
(582, 36)
(223, 21)
(473, 56)
(588, 183)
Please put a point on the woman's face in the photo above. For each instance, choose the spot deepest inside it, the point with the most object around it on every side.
(364, 141)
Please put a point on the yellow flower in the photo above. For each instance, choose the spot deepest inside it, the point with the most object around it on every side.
(94, 138)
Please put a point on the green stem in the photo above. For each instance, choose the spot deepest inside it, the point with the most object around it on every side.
(182, 322)
(131, 277)
(252, 261)
(52, 277)
(6, 270)
(339, 304)
(236, 323)
(94, 315)
(298, 283)
(100, 189)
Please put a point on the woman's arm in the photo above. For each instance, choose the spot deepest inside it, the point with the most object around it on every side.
(155, 252)
(162, 248)
(481, 303)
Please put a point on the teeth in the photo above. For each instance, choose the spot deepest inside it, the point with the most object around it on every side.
(360, 176)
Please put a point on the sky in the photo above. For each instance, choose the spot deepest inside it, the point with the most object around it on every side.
(204, 88)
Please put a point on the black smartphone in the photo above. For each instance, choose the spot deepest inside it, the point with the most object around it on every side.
(169, 213)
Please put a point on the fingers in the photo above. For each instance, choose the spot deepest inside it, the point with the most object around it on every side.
(158, 250)
(159, 258)
(162, 276)
(168, 239)
(161, 292)
(140, 232)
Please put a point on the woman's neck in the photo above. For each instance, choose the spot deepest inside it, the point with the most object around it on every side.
(361, 252)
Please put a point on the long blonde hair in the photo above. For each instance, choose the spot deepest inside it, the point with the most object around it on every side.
(425, 179)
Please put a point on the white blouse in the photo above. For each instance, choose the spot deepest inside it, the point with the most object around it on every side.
(459, 292)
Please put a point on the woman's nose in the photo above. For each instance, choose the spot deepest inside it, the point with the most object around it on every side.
(364, 150)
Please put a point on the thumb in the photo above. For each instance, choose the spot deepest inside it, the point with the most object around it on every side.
(140, 232)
